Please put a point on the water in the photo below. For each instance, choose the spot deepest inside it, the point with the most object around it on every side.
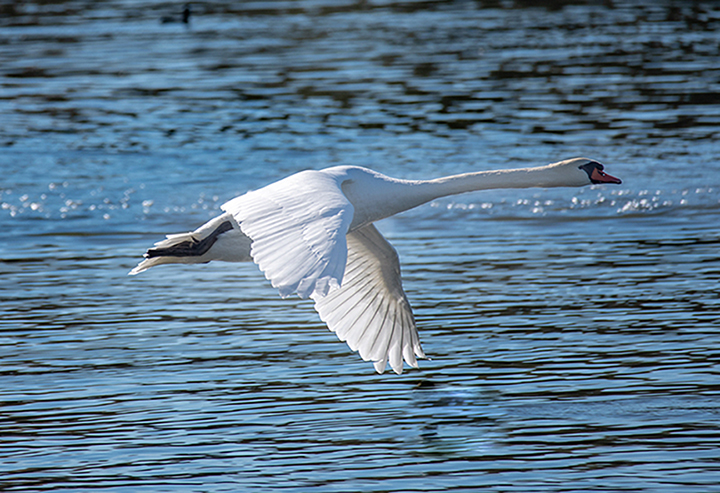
(574, 334)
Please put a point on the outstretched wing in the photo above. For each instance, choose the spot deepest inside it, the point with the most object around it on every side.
(297, 227)
(370, 311)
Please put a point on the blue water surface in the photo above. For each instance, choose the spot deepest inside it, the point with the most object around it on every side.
(573, 333)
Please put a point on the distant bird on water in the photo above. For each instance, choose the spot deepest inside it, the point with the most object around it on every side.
(185, 18)
(312, 233)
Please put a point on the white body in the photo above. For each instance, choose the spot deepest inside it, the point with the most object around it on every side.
(312, 234)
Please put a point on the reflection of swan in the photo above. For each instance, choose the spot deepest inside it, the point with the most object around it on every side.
(312, 233)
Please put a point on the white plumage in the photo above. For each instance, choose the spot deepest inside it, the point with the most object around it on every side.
(312, 233)
(304, 217)
(370, 311)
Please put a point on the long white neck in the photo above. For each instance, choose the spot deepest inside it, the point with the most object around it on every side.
(543, 177)
(389, 196)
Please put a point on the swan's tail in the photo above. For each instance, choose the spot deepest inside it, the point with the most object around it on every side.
(218, 239)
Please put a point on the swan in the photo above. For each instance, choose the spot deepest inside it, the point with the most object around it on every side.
(313, 234)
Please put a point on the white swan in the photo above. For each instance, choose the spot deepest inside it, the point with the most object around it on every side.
(312, 233)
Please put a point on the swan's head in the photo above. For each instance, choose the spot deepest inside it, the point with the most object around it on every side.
(584, 171)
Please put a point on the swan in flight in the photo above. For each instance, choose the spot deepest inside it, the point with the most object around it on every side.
(312, 234)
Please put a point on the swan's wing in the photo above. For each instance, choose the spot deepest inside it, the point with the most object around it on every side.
(370, 311)
(297, 227)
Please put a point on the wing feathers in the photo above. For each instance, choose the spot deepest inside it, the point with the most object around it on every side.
(298, 227)
(370, 310)
(300, 240)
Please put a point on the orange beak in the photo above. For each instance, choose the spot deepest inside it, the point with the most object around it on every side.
(602, 177)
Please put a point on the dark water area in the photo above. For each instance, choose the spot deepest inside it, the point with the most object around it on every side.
(574, 333)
